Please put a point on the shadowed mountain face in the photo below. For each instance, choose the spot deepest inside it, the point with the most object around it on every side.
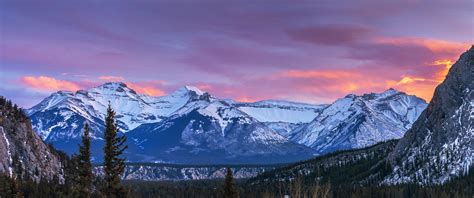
(440, 145)
(198, 137)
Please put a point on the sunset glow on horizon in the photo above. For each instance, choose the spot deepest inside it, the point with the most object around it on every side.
(311, 52)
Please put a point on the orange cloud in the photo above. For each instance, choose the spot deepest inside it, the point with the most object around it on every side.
(340, 82)
(408, 80)
(146, 89)
(244, 99)
(418, 86)
(45, 83)
(435, 45)
(447, 65)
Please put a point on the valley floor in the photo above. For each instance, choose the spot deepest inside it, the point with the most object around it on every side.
(458, 188)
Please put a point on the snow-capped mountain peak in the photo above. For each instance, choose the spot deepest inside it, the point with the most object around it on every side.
(64, 111)
(187, 90)
(193, 118)
(358, 121)
(194, 89)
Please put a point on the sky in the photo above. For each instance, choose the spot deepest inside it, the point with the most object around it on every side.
(306, 51)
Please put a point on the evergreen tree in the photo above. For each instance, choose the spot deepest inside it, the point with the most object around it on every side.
(230, 190)
(113, 164)
(84, 165)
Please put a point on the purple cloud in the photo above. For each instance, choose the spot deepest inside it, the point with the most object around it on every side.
(235, 46)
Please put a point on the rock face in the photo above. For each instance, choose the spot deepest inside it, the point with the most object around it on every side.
(22, 152)
(360, 121)
(440, 145)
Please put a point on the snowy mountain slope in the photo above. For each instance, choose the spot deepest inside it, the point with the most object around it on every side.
(281, 116)
(360, 121)
(213, 131)
(281, 111)
(60, 117)
(173, 128)
(67, 111)
(440, 145)
(132, 109)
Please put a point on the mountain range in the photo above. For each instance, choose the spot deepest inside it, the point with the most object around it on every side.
(190, 126)
(437, 149)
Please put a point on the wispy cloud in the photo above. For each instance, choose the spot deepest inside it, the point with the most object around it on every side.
(45, 83)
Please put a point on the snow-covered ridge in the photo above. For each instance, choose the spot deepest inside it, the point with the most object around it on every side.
(133, 109)
(281, 111)
(199, 126)
(359, 121)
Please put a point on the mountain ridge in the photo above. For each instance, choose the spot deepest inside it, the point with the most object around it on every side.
(368, 118)
(204, 119)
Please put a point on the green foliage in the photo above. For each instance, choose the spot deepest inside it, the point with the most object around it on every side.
(11, 111)
(175, 189)
(113, 164)
(85, 165)
(461, 187)
(229, 187)
(358, 166)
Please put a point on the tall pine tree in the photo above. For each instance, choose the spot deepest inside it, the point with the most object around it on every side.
(113, 164)
(85, 165)
(229, 187)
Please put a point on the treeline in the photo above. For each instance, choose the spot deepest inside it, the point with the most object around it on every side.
(10, 110)
(462, 187)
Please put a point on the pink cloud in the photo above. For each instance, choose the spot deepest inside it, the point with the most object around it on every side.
(146, 89)
(45, 83)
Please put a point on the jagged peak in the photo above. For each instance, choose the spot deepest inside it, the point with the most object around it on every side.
(350, 96)
(194, 89)
(391, 90)
(188, 89)
(113, 87)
